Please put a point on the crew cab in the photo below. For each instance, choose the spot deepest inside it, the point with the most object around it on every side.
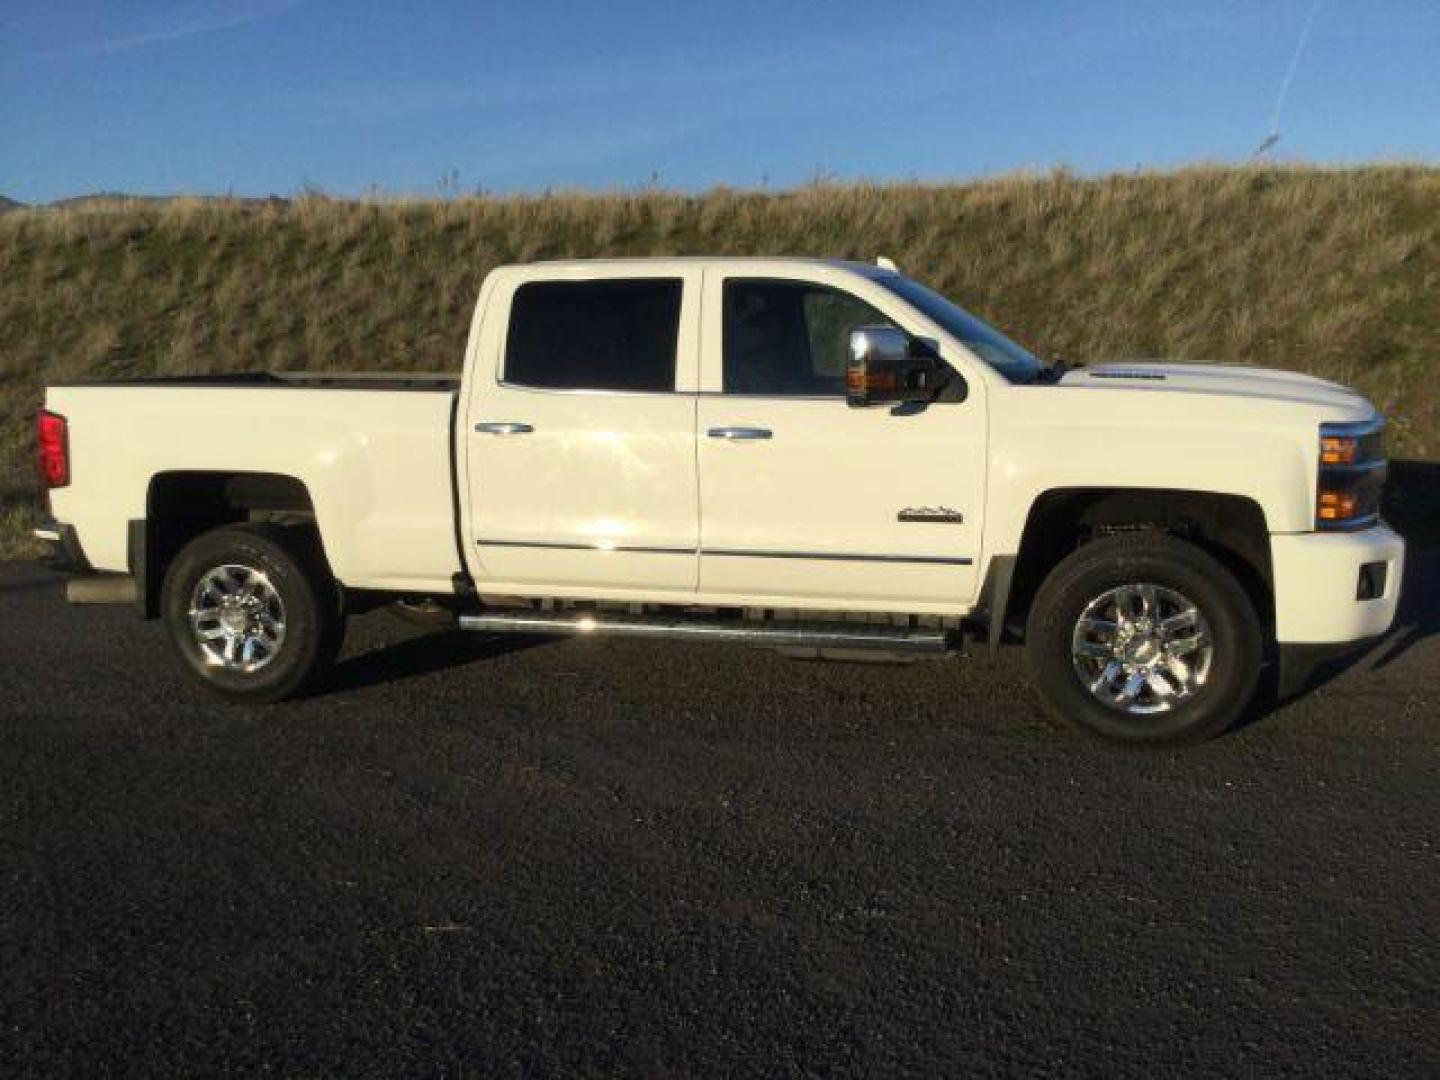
(807, 454)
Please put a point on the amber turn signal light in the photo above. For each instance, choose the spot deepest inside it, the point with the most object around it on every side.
(857, 380)
(1339, 450)
(1338, 505)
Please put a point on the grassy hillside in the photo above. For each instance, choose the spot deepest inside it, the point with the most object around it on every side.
(1332, 272)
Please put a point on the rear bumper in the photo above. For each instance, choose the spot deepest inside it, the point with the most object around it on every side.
(1320, 598)
(63, 550)
(86, 585)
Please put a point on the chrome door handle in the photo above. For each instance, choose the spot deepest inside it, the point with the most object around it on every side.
(503, 427)
(735, 433)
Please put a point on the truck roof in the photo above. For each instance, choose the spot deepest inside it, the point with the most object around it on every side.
(651, 263)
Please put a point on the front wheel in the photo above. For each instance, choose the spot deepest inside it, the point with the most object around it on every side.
(251, 611)
(1145, 639)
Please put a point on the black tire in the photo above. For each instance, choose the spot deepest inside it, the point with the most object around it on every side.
(293, 567)
(1173, 564)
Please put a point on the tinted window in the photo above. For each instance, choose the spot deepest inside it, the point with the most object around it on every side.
(594, 335)
(790, 337)
(993, 347)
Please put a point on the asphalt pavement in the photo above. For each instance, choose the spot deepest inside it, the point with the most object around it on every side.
(475, 857)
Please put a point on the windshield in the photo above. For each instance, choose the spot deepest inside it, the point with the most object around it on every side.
(993, 347)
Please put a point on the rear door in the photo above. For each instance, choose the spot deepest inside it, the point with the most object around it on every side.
(581, 435)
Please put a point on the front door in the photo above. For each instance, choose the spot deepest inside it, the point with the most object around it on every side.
(581, 438)
(806, 502)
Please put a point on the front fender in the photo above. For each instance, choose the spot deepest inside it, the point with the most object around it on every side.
(1043, 443)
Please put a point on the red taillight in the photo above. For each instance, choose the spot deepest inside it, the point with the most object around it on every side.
(52, 432)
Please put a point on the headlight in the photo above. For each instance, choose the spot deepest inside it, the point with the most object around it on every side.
(1352, 475)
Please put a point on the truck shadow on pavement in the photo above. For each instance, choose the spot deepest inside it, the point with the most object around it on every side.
(25, 583)
(1412, 506)
(1419, 614)
(420, 655)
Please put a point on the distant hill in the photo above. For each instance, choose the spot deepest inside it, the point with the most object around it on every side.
(9, 204)
(100, 198)
(118, 199)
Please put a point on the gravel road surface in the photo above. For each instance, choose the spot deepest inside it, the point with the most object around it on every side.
(477, 858)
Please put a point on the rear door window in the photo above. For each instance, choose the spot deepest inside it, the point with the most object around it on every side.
(613, 334)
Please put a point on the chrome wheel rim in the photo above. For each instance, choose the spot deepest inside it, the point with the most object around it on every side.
(1142, 648)
(237, 618)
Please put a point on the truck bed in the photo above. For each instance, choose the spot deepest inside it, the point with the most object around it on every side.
(292, 380)
(376, 465)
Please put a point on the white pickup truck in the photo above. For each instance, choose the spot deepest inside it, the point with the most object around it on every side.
(807, 454)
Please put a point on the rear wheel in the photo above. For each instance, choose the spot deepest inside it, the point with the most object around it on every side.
(251, 611)
(1145, 639)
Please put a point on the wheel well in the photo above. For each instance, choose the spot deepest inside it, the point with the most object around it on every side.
(1229, 527)
(181, 505)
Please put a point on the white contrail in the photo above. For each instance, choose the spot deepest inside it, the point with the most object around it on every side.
(182, 28)
(1290, 71)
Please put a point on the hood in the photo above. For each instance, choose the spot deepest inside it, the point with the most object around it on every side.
(1225, 380)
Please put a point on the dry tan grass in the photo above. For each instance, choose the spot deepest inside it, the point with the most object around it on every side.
(1336, 272)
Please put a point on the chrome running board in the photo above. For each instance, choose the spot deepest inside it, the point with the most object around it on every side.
(821, 635)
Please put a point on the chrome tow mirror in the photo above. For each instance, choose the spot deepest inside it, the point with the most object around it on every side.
(886, 365)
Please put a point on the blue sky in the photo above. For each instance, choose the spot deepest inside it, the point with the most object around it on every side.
(263, 96)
